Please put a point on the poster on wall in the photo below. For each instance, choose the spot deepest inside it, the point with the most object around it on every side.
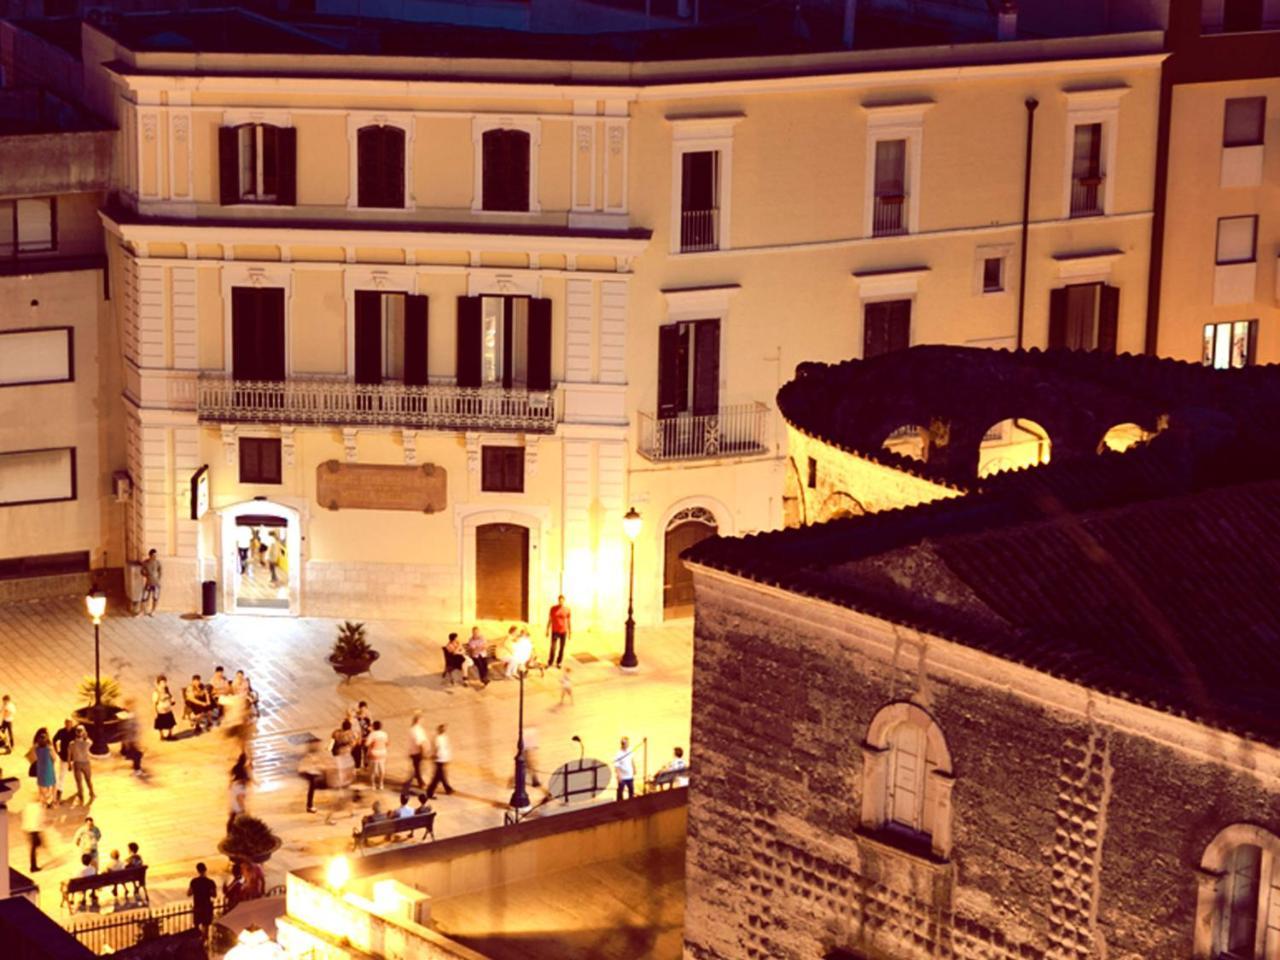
(200, 492)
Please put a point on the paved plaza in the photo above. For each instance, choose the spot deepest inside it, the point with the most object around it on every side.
(177, 815)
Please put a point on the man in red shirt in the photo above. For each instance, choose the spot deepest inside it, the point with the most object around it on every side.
(559, 626)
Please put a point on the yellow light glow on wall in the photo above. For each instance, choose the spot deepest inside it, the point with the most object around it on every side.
(338, 873)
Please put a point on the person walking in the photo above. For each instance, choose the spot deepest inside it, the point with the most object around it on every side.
(244, 539)
(559, 625)
(162, 700)
(442, 753)
(312, 769)
(238, 791)
(376, 750)
(151, 573)
(273, 559)
(62, 747)
(531, 755)
(362, 723)
(417, 749)
(81, 765)
(131, 737)
(43, 767)
(566, 686)
(202, 891)
(624, 768)
(7, 712)
(33, 827)
(86, 840)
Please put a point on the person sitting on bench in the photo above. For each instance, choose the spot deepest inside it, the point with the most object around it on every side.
(87, 869)
(199, 704)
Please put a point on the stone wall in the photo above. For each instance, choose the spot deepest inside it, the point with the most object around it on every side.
(386, 591)
(1074, 836)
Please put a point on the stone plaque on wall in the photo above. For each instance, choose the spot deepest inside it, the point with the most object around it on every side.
(361, 486)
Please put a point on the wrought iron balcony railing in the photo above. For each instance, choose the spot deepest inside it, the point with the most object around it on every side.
(335, 401)
(1086, 196)
(890, 215)
(699, 230)
(732, 431)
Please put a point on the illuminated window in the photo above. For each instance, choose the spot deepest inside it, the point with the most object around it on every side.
(907, 780)
(1231, 345)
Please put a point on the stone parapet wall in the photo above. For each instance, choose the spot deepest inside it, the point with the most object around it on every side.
(388, 591)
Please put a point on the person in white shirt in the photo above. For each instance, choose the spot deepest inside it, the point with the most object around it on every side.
(443, 755)
(33, 827)
(244, 541)
(624, 768)
(7, 712)
(376, 745)
(678, 765)
(417, 748)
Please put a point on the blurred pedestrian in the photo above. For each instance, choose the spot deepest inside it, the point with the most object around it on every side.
(131, 736)
(33, 827)
(312, 769)
(238, 791)
(7, 712)
(43, 767)
(566, 686)
(62, 747)
(559, 625)
(376, 749)
(417, 749)
(442, 754)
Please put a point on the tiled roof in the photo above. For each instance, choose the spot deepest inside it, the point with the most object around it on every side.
(1149, 575)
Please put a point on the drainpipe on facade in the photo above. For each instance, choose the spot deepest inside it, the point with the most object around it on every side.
(1032, 103)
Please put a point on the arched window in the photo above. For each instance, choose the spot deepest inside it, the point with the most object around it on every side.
(907, 779)
(1238, 909)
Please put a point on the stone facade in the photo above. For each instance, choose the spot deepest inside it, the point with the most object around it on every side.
(1079, 822)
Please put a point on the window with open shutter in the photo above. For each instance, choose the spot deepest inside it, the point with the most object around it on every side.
(380, 167)
(706, 367)
(257, 164)
(539, 352)
(905, 783)
(469, 351)
(673, 370)
(1108, 318)
(415, 341)
(368, 336)
(689, 368)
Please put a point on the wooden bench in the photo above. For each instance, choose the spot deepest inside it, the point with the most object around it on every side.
(426, 822)
(135, 876)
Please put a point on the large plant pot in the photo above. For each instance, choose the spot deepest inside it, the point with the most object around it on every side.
(256, 856)
(352, 668)
(112, 723)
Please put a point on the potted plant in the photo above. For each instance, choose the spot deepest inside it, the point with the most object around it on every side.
(248, 838)
(109, 697)
(351, 654)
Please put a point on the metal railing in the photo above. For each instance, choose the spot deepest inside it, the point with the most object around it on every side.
(889, 216)
(340, 402)
(699, 230)
(1086, 196)
(731, 431)
(126, 929)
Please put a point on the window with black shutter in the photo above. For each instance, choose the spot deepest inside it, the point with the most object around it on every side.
(689, 368)
(257, 333)
(1084, 316)
(502, 469)
(505, 170)
(886, 326)
(257, 163)
(504, 340)
(390, 338)
(380, 167)
(259, 460)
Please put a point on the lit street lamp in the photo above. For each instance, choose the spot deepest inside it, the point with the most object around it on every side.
(96, 604)
(631, 527)
(521, 651)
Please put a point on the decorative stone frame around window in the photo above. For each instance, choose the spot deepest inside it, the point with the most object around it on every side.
(895, 121)
(481, 125)
(1100, 106)
(1211, 881)
(355, 121)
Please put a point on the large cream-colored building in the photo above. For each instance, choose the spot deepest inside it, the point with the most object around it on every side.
(535, 292)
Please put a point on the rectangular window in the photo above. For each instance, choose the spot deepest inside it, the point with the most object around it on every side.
(502, 469)
(1237, 239)
(1244, 122)
(1230, 346)
(259, 460)
(257, 163)
(28, 225)
(699, 200)
(257, 333)
(1084, 316)
(889, 216)
(504, 177)
(504, 339)
(36, 356)
(993, 274)
(37, 476)
(1086, 170)
(886, 327)
(390, 338)
(689, 368)
(812, 478)
(380, 167)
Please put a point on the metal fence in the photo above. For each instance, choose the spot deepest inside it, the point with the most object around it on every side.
(889, 215)
(127, 928)
(699, 230)
(736, 430)
(1086, 196)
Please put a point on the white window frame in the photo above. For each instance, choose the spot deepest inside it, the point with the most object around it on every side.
(257, 275)
(1093, 106)
(699, 135)
(270, 118)
(383, 279)
(895, 121)
(996, 251)
(1212, 893)
(366, 118)
(482, 125)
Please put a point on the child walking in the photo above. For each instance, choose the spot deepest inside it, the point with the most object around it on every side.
(566, 685)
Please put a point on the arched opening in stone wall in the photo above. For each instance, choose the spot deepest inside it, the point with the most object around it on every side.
(837, 505)
(1011, 445)
(690, 526)
(793, 503)
(909, 440)
(1123, 436)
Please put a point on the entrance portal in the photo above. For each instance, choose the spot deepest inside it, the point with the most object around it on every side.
(685, 529)
(502, 572)
(262, 563)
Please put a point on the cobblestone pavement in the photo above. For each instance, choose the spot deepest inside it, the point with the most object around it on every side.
(177, 815)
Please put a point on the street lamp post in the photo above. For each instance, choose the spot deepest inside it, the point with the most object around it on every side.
(521, 650)
(631, 527)
(96, 603)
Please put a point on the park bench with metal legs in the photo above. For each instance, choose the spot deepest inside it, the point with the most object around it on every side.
(394, 827)
(135, 877)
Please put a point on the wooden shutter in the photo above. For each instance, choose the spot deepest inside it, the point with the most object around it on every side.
(243, 335)
(538, 370)
(469, 332)
(368, 166)
(393, 142)
(906, 776)
(875, 330)
(706, 367)
(368, 322)
(504, 174)
(899, 324)
(492, 182)
(271, 333)
(228, 165)
(250, 461)
(673, 370)
(1058, 318)
(286, 166)
(1108, 318)
(518, 147)
(415, 341)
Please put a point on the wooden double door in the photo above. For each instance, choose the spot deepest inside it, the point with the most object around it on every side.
(677, 579)
(502, 572)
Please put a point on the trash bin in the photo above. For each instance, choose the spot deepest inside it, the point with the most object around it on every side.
(209, 598)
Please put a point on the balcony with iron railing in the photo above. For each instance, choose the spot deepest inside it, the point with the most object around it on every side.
(699, 230)
(1086, 196)
(335, 401)
(732, 431)
(889, 216)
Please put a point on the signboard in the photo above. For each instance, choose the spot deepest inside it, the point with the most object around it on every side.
(200, 492)
(579, 780)
(365, 486)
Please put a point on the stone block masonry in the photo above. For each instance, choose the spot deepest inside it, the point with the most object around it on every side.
(1072, 838)
(397, 591)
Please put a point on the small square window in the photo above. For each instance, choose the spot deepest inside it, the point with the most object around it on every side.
(993, 274)
(502, 469)
(1244, 121)
(259, 460)
(1237, 239)
(813, 473)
